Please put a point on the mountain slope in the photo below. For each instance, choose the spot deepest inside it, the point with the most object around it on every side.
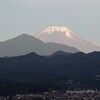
(60, 71)
(35, 68)
(65, 36)
(25, 44)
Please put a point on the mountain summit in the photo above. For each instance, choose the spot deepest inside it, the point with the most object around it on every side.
(53, 29)
(65, 36)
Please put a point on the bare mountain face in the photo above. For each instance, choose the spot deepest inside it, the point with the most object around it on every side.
(25, 44)
(65, 36)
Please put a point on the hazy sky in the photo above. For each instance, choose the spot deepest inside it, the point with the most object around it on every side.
(33, 16)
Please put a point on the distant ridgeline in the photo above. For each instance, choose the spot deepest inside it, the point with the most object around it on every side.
(25, 44)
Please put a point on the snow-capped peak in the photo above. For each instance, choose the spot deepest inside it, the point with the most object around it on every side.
(65, 36)
(56, 29)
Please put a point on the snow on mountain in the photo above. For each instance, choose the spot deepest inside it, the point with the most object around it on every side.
(65, 36)
(51, 30)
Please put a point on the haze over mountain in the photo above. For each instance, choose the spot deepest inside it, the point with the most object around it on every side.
(65, 36)
(25, 44)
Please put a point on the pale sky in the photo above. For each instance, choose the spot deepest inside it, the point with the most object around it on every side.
(33, 16)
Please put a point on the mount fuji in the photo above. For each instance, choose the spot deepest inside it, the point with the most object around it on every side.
(65, 36)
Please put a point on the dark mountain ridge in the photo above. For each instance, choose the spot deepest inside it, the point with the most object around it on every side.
(37, 73)
(32, 64)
